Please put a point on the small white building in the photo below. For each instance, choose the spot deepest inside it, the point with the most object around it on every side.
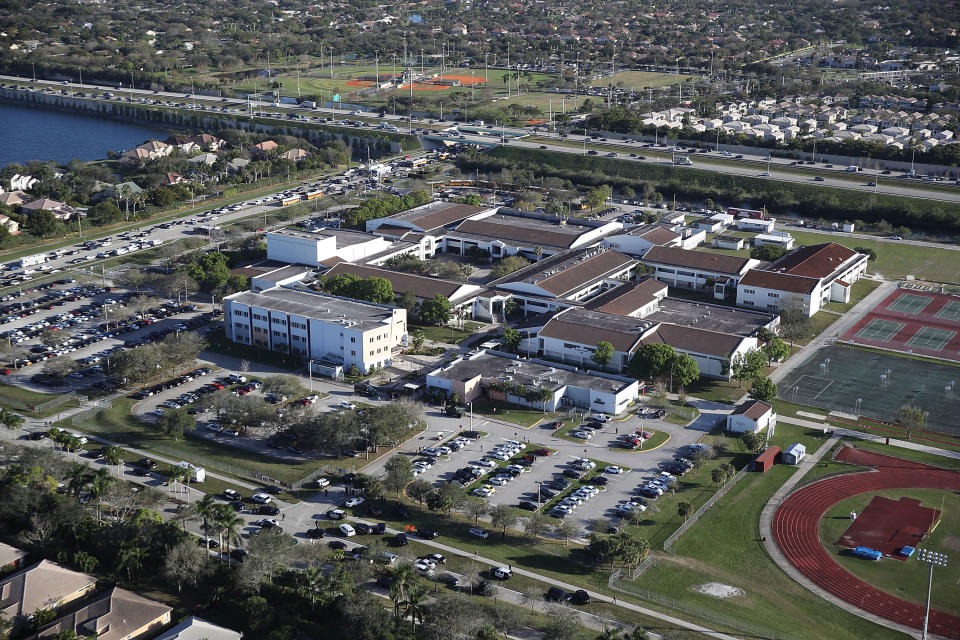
(794, 454)
(778, 238)
(752, 416)
(753, 224)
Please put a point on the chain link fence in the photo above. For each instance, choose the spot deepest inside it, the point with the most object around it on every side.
(55, 402)
(692, 520)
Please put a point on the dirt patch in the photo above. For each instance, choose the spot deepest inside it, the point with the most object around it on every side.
(719, 590)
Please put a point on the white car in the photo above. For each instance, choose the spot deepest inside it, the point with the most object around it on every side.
(480, 492)
(322, 483)
(583, 463)
(337, 514)
(347, 530)
(266, 522)
(353, 502)
(262, 498)
(424, 567)
(518, 468)
(488, 463)
(600, 417)
(614, 470)
(477, 531)
(500, 456)
(499, 481)
(502, 573)
(444, 451)
(347, 405)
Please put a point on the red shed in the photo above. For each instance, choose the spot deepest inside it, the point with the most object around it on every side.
(766, 459)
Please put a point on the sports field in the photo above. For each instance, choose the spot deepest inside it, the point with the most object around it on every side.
(844, 378)
(912, 321)
(640, 80)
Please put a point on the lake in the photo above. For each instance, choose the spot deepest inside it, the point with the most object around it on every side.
(31, 133)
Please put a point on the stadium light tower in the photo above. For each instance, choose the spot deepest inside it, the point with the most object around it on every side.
(932, 558)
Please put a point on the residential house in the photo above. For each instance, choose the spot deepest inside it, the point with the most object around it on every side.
(11, 225)
(59, 210)
(11, 558)
(194, 628)
(45, 585)
(13, 198)
(237, 165)
(751, 416)
(209, 142)
(173, 178)
(203, 158)
(294, 154)
(117, 614)
(263, 148)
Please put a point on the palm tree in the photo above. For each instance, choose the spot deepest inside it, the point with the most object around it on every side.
(403, 577)
(77, 478)
(414, 606)
(130, 558)
(99, 484)
(229, 524)
(311, 583)
(10, 420)
(205, 509)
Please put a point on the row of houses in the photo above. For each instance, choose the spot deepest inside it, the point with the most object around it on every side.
(83, 609)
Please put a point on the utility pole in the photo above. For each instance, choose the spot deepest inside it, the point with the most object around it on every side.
(376, 53)
(331, 62)
(486, 67)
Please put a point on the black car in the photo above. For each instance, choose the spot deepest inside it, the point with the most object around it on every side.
(209, 543)
(380, 528)
(237, 505)
(239, 554)
(573, 473)
(546, 494)
(316, 532)
(529, 506)
(38, 435)
(556, 594)
(267, 510)
(147, 463)
(141, 471)
(580, 597)
(275, 490)
(427, 534)
(337, 545)
(400, 540)
(600, 481)
(362, 528)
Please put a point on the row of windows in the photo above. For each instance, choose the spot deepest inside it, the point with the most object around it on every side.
(259, 316)
(280, 321)
(242, 314)
(241, 325)
(298, 325)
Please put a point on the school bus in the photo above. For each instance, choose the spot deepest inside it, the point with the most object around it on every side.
(289, 200)
(313, 195)
(418, 162)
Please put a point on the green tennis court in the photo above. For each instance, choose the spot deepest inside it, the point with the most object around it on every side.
(931, 338)
(950, 311)
(844, 378)
(880, 330)
(909, 303)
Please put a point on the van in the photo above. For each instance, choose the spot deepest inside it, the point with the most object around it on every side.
(400, 540)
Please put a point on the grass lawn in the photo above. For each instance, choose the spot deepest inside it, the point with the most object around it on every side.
(120, 425)
(23, 400)
(906, 579)
(640, 79)
(724, 546)
(446, 334)
(510, 413)
(716, 390)
(861, 289)
(819, 323)
(681, 415)
(896, 259)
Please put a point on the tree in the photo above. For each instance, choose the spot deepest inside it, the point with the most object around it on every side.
(476, 509)
(912, 418)
(507, 266)
(399, 473)
(565, 529)
(511, 339)
(753, 441)
(684, 369)
(684, 509)
(602, 354)
(419, 490)
(175, 422)
(186, 563)
(536, 525)
(403, 577)
(503, 516)
(10, 420)
(747, 366)
(562, 624)
(597, 196)
(776, 350)
(41, 223)
(867, 251)
(408, 301)
(130, 557)
(417, 338)
(436, 310)
(767, 252)
(78, 478)
(651, 361)
(795, 325)
(764, 389)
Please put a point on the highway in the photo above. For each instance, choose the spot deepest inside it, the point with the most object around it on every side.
(754, 166)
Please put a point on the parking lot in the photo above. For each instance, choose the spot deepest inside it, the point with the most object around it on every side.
(614, 489)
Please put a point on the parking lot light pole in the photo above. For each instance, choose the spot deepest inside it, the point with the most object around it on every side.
(931, 558)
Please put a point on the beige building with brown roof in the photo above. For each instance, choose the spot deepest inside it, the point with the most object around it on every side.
(45, 585)
(117, 614)
(694, 270)
(751, 416)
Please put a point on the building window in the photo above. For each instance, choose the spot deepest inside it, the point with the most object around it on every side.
(749, 290)
(353, 353)
(773, 295)
(772, 306)
(353, 339)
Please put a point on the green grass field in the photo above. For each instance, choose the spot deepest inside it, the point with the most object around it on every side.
(724, 546)
(906, 579)
(640, 79)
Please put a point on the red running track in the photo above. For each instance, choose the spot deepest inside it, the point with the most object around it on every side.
(796, 522)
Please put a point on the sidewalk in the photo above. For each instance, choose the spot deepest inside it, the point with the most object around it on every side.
(766, 532)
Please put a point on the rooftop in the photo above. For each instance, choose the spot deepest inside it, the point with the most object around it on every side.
(779, 281)
(814, 261)
(584, 326)
(115, 615)
(438, 214)
(194, 628)
(283, 273)
(700, 260)
(629, 297)
(683, 338)
(569, 272)
(655, 233)
(10, 555)
(727, 320)
(40, 586)
(492, 365)
(345, 237)
(754, 409)
(527, 230)
(317, 306)
(420, 286)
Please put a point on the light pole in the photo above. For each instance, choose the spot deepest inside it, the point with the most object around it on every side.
(932, 558)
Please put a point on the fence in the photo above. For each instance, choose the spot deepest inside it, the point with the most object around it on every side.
(703, 509)
(705, 614)
(301, 483)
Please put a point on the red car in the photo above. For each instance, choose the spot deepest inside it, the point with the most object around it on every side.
(543, 452)
(4, 372)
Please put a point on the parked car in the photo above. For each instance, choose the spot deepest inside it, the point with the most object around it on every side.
(478, 532)
(336, 514)
(261, 498)
(501, 573)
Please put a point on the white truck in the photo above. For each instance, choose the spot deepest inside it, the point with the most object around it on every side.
(852, 169)
(197, 474)
(308, 104)
(30, 261)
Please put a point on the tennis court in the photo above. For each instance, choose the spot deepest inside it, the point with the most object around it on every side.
(844, 378)
(880, 330)
(950, 311)
(931, 338)
(909, 303)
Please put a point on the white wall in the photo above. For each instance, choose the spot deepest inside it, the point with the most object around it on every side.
(289, 249)
(773, 300)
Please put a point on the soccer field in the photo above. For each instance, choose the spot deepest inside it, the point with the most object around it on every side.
(640, 79)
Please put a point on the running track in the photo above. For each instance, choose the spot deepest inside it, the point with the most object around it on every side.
(795, 530)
